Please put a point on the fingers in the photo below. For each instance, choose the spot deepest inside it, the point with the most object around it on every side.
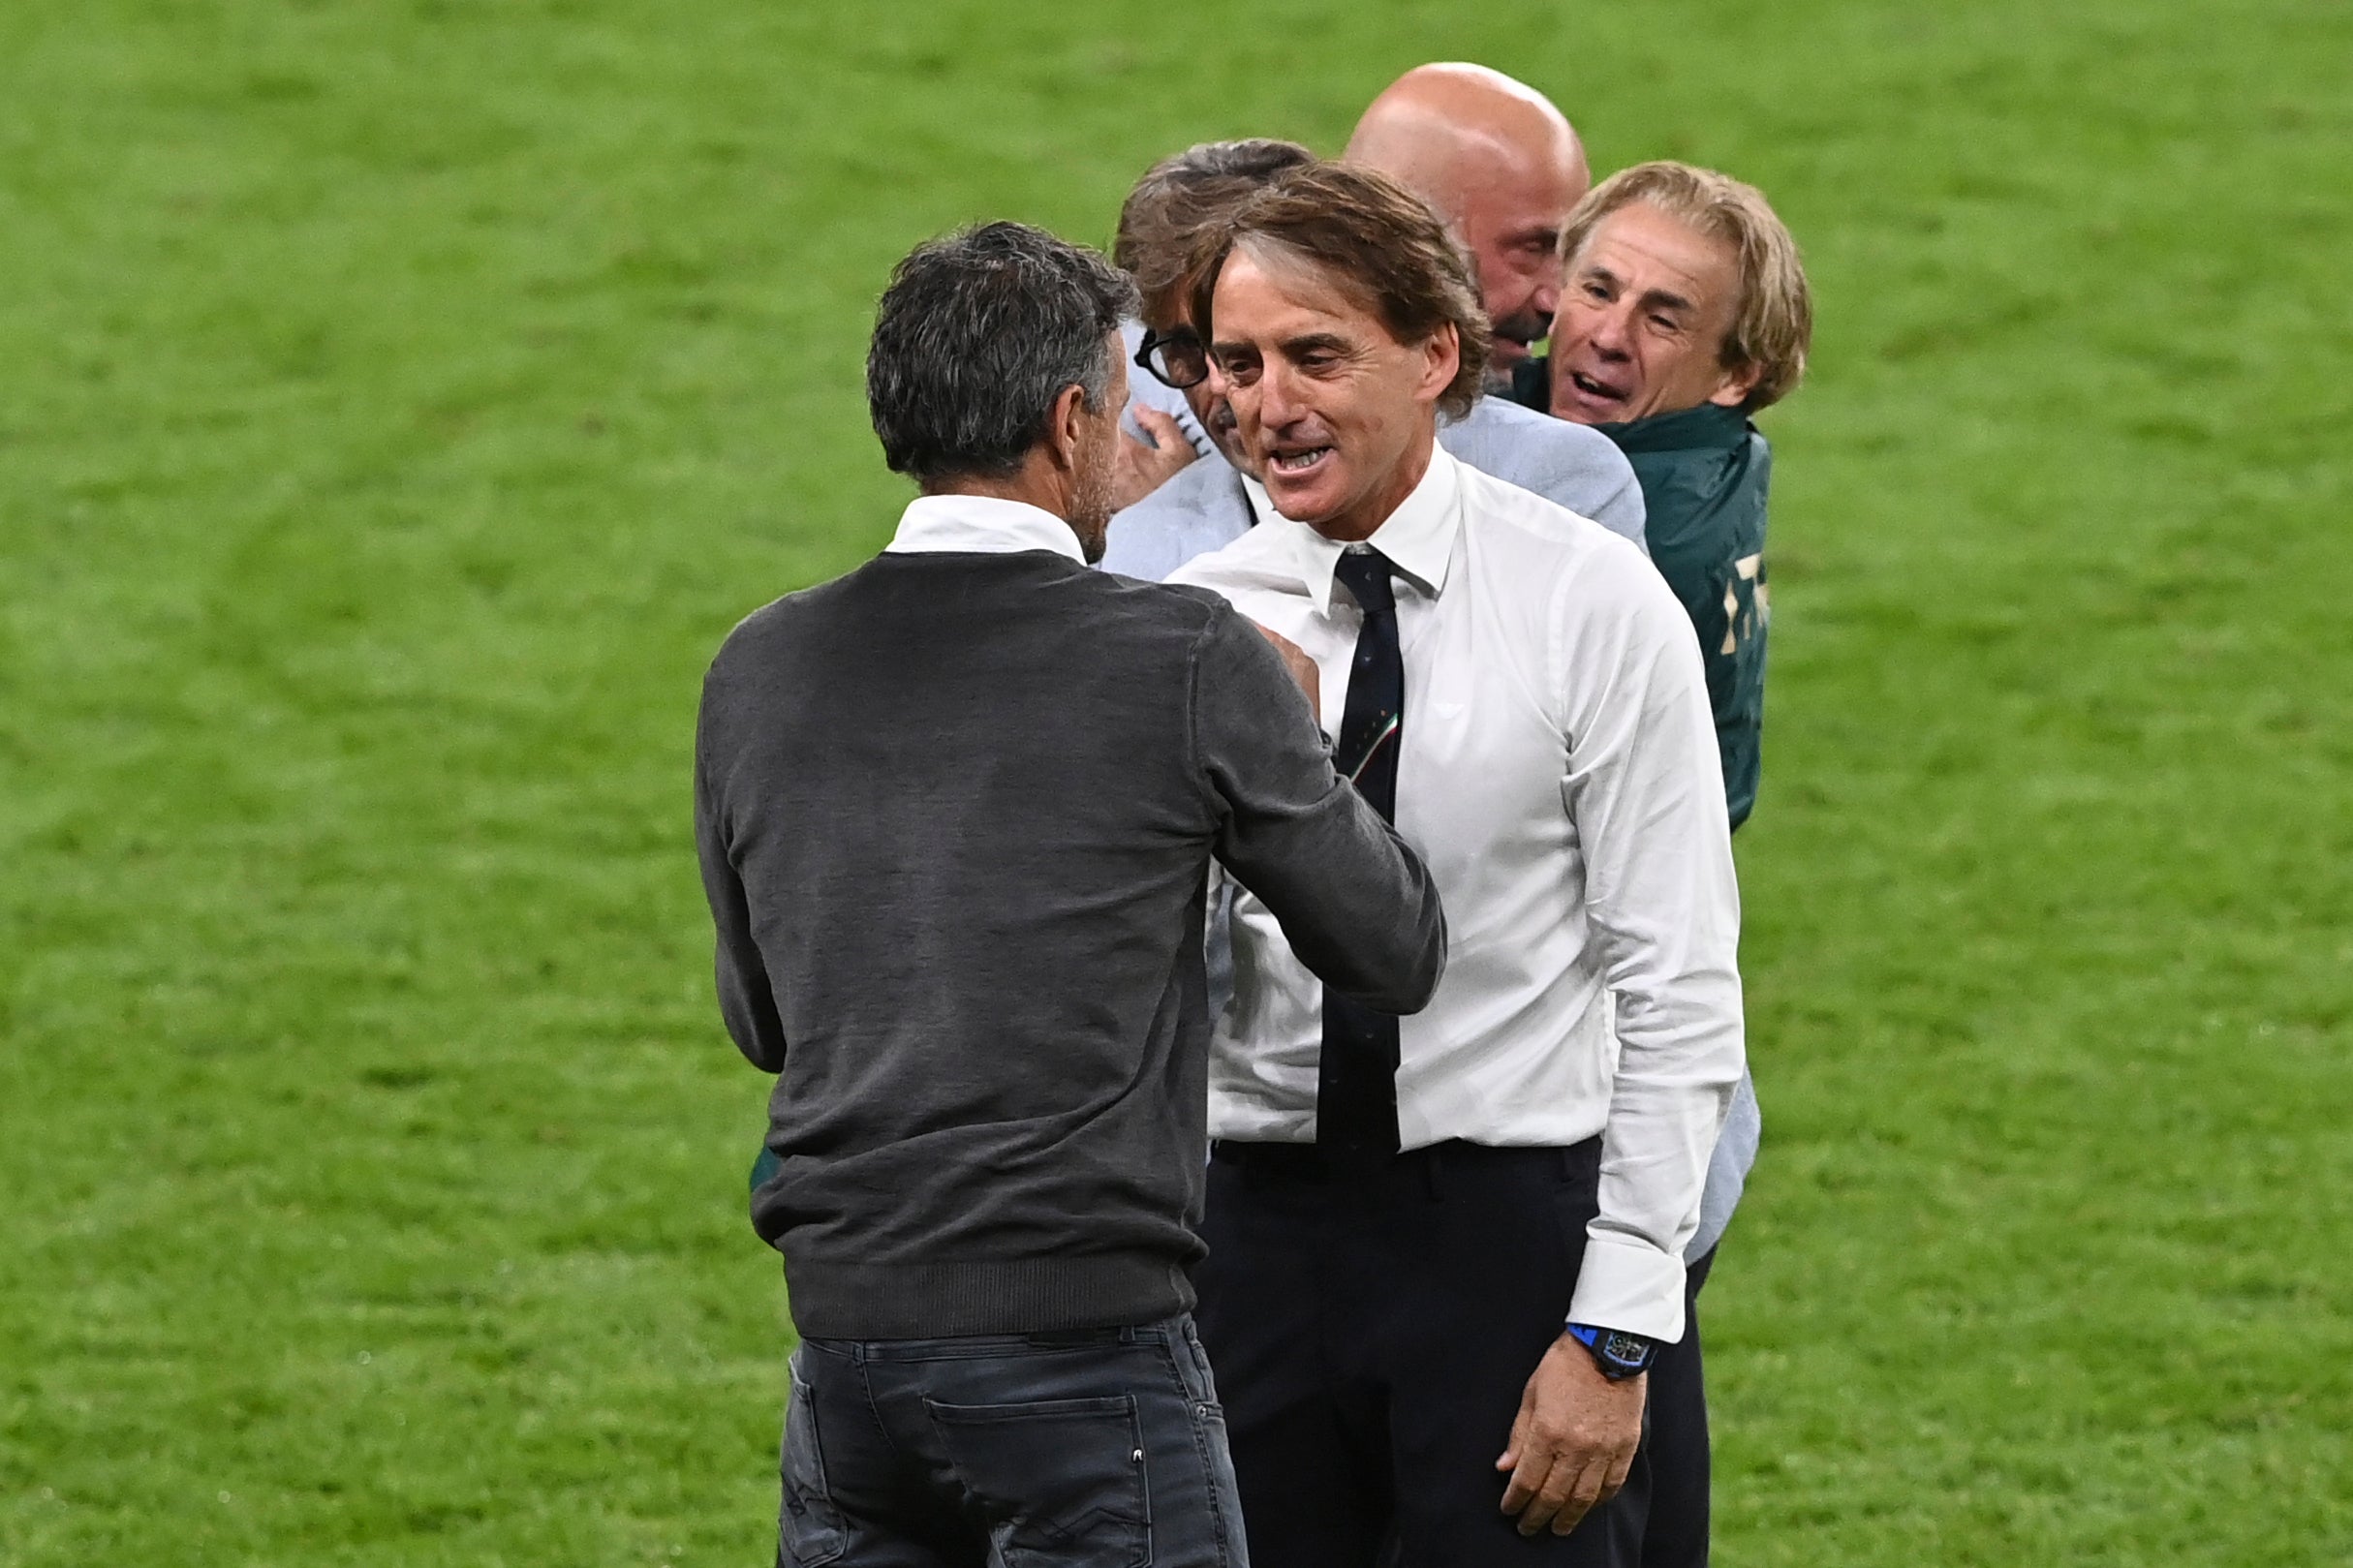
(1620, 1467)
(1161, 427)
(1559, 1477)
(1524, 1491)
(1170, 449)
(1296, 660)
(1562, 1493)
(1174, 454)
(1557, 1495)
(1592, 1487)
(1144, 466)
(1518, 1445)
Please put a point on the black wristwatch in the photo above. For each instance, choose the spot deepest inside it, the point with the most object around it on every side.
(1619, 1355)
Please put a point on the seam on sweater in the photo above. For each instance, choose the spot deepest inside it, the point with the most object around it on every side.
(717, 693)
(1192, 715)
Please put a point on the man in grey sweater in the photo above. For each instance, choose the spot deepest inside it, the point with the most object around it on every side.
(955, 813)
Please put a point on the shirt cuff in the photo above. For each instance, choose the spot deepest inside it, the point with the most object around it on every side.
(1632, 1289)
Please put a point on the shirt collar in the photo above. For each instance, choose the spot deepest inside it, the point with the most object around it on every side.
(981, 524)
(1418, 536)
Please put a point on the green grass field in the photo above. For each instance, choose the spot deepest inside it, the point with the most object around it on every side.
(398, 401)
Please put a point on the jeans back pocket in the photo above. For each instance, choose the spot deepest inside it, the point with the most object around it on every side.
(809, 1526)
(1059, 1481)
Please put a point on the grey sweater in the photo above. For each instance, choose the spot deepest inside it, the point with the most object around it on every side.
(955, 814)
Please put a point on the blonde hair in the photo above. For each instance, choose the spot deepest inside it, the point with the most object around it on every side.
(1774, 321)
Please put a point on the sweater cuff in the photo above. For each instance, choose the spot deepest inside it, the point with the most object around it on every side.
(1632, 1289)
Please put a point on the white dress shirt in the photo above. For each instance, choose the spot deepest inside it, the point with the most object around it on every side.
(1560, 775)
(981, 524)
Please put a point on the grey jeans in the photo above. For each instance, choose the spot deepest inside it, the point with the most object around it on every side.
(1100, 1448)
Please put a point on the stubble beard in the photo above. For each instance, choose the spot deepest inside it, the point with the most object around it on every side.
(1521, 331)
(1090, 511)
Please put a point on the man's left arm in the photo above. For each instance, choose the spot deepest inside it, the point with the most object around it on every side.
(1645, 789)
(1646, 793)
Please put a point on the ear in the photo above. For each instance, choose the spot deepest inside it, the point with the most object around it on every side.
(1442, 358)
(1062, 422)
(1737, 383)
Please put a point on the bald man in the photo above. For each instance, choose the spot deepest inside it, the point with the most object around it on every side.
(1503, 167)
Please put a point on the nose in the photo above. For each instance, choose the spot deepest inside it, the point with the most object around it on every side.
(1546, 301)
(1279, 401)
(1612, 333)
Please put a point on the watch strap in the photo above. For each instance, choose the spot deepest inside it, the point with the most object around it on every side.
(1619, 1355)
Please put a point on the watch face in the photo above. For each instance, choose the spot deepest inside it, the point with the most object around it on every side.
(1624, 1349)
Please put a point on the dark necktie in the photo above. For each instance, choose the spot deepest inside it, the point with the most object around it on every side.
(1357, 1082)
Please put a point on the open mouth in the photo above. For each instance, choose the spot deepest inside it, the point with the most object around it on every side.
(1595, 389)
(1514, 333)
(1293, 465)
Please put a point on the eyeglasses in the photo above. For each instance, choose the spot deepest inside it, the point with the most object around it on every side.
(1177, 360)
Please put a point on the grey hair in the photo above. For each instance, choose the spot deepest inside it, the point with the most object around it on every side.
(977, 336)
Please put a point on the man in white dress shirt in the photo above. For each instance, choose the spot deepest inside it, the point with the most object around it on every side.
(1443, 1248)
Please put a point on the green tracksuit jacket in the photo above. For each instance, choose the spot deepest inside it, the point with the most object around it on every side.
(1704, 472)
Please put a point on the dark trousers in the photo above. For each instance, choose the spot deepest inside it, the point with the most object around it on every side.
(1096, 1448)
(1375, 1335)
(1676, 1533)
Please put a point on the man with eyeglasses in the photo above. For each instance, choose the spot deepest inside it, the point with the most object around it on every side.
(1210, 492)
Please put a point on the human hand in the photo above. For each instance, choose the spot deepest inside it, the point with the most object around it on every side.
(1143, 467)
(1303, 668)
(1573, 1441)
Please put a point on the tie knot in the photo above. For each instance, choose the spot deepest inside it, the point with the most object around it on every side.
(1366, 572)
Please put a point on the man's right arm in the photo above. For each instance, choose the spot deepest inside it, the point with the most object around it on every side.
(1358, 905)
(745, 999)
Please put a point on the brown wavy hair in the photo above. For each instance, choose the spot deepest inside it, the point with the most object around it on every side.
(1379, 244)
(1180, 196)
